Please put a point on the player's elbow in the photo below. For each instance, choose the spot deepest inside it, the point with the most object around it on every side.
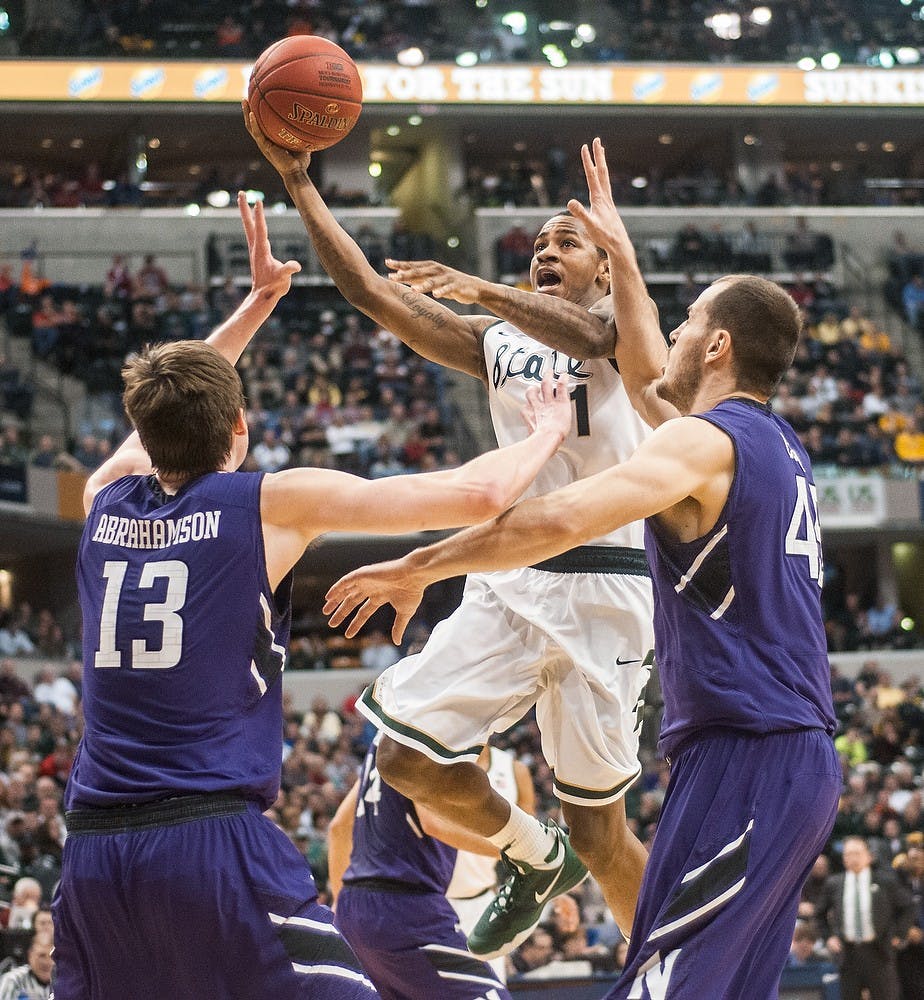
(485, 500)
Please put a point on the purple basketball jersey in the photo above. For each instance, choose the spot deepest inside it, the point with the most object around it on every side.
(739, 637)
(184, 644)
(388, 841)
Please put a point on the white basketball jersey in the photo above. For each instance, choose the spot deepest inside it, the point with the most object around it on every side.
(475, 873)
(606, 429)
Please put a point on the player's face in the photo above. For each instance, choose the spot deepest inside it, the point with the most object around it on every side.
(686, 358)
(566, 263)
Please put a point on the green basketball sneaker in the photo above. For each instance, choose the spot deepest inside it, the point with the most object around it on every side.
(517, 907)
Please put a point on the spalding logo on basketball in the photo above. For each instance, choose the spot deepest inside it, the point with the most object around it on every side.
(305, 92)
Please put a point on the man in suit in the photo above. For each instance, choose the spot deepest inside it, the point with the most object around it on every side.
(865, 914)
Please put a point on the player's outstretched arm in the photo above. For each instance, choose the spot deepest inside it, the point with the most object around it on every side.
(297, 505)
(689, 459)
(270, 280)
(562, 325)
(427, 327)
(340, 842)
(640, 349)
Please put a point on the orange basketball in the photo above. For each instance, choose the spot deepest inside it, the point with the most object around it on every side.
(305, 92)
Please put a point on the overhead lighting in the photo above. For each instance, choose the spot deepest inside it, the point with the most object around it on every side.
(154, 143)
(862, 147)
(375, 169)
(761, 15)
(806, 64)
(481, 3)
(555, 56)
(837, 166)
(639, 182)
(219, 198)
(393, 130)
(253, 196)
(726, 25)
(830, 60)
(888, 147)
(452, 242)
(141, 161)
(4, 21)
(192, 209)
(886, 59)
(415, 120)
(279, 208)
(560, 25)
(751, 140)
(665, 138)
(412, 56)
(109, 185)
(467, 58)
(907, 55)
(76, 143)
(516, 21)
(47, 143)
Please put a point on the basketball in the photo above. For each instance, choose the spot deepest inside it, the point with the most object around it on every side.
(305, 93)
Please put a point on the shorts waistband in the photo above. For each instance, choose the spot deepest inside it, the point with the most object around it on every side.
(372, 884)
(149, 815)
(616, 559)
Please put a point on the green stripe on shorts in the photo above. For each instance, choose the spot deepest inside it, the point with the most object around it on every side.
(402, 729)
(592, 794)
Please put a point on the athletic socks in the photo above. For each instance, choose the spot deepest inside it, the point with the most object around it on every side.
(524, 838)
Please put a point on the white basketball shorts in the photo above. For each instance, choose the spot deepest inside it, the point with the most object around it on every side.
(576, 645)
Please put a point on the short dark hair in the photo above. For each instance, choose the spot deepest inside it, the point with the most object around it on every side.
(183, 400)
(764, 322)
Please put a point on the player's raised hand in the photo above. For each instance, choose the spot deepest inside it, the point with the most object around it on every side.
(433, 278)
(548, 406)
(369, 588)
(602, 221)
(286, 162)
(270, 277)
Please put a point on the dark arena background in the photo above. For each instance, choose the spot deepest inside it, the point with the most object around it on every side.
(783, 138)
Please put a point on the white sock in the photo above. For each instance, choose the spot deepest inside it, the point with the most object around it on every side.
(524, 838)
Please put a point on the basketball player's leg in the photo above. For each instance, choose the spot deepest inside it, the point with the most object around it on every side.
(411, 948)
(601, 838)
(477, 674)
(459, 792)
(743, 820)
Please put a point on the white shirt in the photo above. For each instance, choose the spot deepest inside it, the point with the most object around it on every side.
(858, 883)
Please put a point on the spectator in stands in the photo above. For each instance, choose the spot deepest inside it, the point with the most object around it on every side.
(535, 952)
(45, 321)
(805, 949)
(801, 253)
(31, 981)
(271, 454)
(27, 898)
(913, 299)
(118, 284)
(378, 652)
(14, 640)
(151, 281)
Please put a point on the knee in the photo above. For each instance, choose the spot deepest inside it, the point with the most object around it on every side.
(400, 766)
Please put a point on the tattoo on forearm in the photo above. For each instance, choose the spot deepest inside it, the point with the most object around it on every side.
(417, 304)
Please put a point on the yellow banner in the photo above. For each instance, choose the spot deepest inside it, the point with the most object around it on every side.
(441, 83)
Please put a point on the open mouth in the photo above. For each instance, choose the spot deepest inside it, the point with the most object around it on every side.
(547, 279)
